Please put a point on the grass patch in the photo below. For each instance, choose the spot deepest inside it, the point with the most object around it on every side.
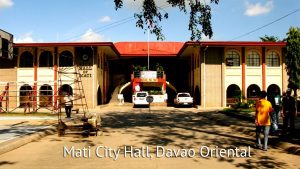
(232, 110)
(242, 114)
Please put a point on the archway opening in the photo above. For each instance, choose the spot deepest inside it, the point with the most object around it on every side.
(25, 95)
(253, 92)
(65, 89)
(233, 94)
(273, 89)
(45, 96)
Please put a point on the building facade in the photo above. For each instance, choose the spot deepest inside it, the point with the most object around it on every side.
(213, 72)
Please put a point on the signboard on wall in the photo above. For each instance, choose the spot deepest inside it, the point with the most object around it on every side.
(148, 74)
(229, 62)
(85, 71)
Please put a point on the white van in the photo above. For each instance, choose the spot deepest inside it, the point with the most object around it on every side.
(140, 98)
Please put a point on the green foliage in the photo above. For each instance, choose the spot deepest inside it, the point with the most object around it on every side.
(251, 103)
(155, 92)
(292, 57)
(159, 67)
(244, 105)
(241, 105)
(151, 16)
(267, 38)
(138, 68)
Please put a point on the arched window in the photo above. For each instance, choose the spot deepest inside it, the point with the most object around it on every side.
(253, 59)
(253, 91)
(66, 59)
(26, 60)
(232, 59)
(46, 59)
(272, 59)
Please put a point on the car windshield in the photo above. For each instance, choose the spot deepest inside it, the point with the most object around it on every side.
(141, 94)
(184, 95)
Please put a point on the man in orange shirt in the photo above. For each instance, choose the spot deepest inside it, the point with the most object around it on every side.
(262, 119)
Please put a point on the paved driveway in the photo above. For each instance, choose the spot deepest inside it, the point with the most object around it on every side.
(14, 127)
(173, 129)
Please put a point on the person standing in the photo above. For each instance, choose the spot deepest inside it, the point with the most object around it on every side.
(277, 108)
(262, 119)
(27, 102)
(288, 111)
(68, 104)
(275, 99)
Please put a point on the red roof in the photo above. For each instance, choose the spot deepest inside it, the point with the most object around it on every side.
(79, 44)
(229, 43)
(168, 49)
(63, 44)
(236, 43)
(158, 49)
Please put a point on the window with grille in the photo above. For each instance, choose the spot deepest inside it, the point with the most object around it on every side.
(26, 60)
(66, 59)
(46, 59)
(272, 59)
(232, 59)
(253, 59)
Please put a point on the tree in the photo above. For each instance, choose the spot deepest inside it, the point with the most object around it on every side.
(151, 15)
(267, 38)
(293, 57)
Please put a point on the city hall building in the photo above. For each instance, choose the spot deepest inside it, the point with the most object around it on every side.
(212, 71)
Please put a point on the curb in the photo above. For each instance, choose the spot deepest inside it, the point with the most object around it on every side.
(20, 141)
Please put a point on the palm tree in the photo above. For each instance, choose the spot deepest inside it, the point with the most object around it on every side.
(267, 38)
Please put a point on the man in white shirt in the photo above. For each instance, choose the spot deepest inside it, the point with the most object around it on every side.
(68, 104)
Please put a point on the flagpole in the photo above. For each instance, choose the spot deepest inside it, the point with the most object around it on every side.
(148, 48)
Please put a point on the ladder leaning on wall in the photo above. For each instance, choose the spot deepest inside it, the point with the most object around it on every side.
(79, 99)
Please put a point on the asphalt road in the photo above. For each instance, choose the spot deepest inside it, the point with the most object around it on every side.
(158, 140)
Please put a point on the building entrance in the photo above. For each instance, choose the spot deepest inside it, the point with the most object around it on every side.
(175, 70)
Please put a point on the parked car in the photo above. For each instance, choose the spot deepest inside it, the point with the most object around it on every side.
(183, 99)
(139, 98)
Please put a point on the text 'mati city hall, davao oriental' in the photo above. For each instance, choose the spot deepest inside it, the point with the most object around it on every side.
(214, 72)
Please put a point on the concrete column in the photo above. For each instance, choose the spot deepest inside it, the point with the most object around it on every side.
(263, 68)
(35, 69)
(223, 102)
(55, 93)
(284, 73)
(243, 72)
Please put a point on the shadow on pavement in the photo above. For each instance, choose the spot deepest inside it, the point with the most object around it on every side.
(181, 128)
(186, 129)
(2, 163)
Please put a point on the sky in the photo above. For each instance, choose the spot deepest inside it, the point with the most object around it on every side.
(97, 20)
